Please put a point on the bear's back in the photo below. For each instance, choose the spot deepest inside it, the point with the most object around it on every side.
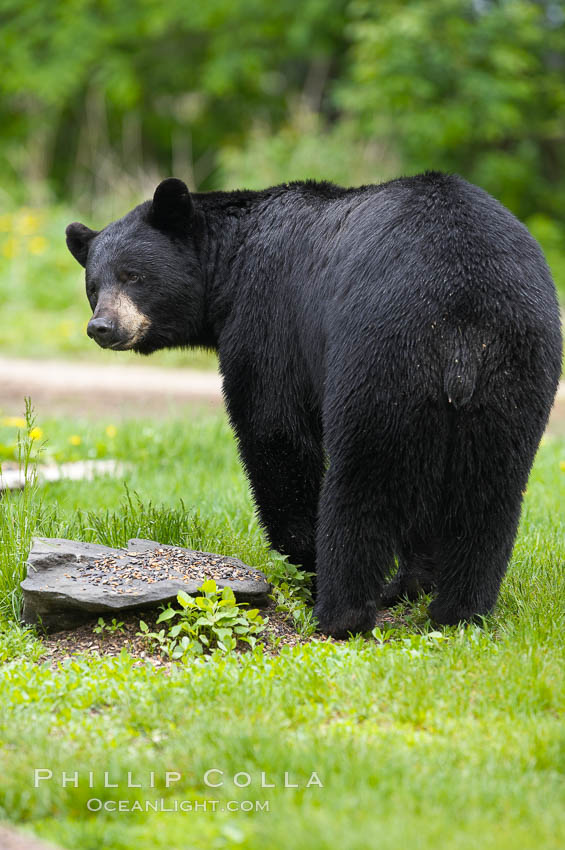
(434, 242)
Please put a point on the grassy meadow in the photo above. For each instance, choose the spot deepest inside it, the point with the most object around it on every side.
(414, 738)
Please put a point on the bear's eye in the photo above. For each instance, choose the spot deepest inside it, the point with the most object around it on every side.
(129, 277)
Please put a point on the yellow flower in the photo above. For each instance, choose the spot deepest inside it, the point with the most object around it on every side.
(65, 329)
(5, 223)
(75, 440)
(38, 245)
(13, 421)
(11, 248)
(26, 223)
(36, 434)
(562, 466)
(111, 431)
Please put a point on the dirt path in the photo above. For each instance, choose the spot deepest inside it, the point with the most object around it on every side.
(60, 386)
(82, 388)
(10, 839)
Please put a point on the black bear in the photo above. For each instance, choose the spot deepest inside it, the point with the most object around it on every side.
(390, 355)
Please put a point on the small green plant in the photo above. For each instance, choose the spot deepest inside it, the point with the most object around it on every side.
(292, 595)
(213, 620)
(18, 642)
(102, 627)
(158, 640)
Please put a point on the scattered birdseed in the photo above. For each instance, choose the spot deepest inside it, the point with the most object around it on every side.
(157, 565)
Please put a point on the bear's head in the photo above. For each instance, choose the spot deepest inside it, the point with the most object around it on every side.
(143, 278)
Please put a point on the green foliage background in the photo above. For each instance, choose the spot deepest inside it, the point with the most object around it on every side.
(101, 98)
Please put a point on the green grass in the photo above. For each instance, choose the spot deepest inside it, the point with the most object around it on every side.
(419, 740)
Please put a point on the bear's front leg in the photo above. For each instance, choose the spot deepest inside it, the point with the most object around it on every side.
(285, 471)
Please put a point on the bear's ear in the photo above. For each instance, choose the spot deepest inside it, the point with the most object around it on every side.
(172, 207)
(79, 237)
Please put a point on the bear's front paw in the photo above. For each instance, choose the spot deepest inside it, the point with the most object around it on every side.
(339, 622)
(452, 615)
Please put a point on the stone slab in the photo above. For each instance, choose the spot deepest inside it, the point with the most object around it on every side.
(57, 594)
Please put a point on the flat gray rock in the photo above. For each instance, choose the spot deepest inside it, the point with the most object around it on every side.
(69, 582)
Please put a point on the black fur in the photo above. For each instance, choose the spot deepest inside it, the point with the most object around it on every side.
(390, 356)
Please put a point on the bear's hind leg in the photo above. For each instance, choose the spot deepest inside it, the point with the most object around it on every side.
(472, 567)
(355, 542)
(355, 551)
(485, 480)
(379, 485)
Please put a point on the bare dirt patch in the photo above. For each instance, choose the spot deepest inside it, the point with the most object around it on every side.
(62, 646)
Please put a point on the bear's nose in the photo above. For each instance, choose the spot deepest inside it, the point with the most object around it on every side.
(100, 330)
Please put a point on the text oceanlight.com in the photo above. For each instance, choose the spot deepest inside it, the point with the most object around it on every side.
(162, 805)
